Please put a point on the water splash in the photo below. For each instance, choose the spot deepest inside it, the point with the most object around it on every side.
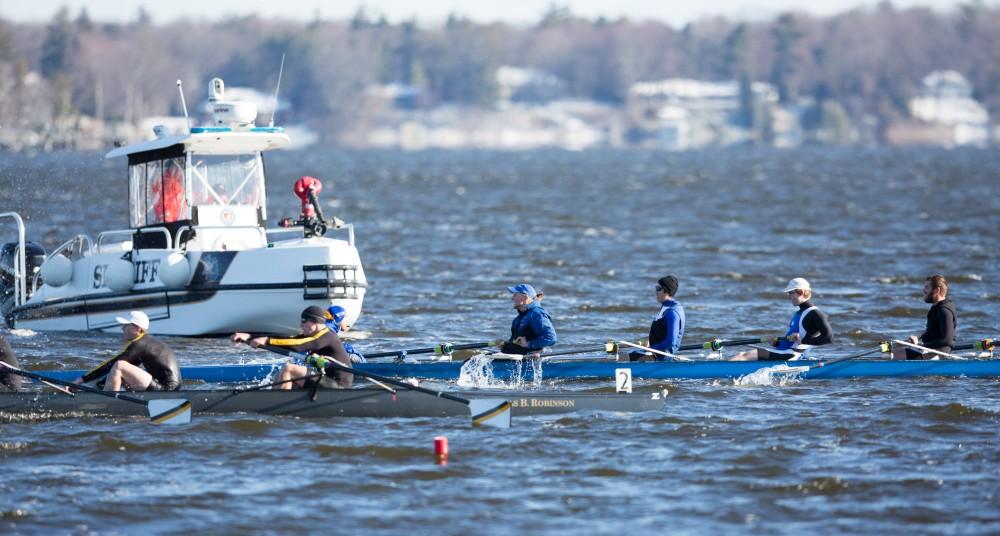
(779, 375)
(23, 332)
(477, 372)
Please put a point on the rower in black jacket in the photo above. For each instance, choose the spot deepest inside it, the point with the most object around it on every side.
(941, 322)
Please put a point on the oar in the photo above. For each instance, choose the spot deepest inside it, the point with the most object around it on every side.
(161, 410)
(655, 351)
(489, 412)
(883, 347)
(718, 344)
(608, 347)
(924, 349)
(443, 348)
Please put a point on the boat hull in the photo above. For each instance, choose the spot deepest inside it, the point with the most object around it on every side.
(365, 402)
(669, 370)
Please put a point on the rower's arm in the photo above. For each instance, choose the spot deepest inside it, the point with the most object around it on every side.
(672, 324)
(818, 330)
(940, 330)
(129, 353)
(547, 333)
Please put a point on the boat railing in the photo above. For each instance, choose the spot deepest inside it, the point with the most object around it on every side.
(20, 266)
(194, 228)
(347, 227)
(75, 247)
(130, 233)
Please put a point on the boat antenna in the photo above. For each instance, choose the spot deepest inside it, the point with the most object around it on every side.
(184, 106)
(274, 101)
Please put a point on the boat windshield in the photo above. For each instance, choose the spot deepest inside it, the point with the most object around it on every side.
(227, 180)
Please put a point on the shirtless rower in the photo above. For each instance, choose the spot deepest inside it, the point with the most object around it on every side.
(145, 364)
(809, 327)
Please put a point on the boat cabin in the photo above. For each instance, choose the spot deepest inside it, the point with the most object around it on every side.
(203, 190)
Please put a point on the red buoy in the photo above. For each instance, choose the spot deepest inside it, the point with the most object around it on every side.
(441, 450)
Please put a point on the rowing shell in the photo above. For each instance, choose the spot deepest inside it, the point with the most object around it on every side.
(505, 370)
(365, 402)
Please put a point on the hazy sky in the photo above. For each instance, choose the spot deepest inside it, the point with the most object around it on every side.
(434, 11)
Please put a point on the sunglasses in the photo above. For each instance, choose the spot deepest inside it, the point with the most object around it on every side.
(660, 289)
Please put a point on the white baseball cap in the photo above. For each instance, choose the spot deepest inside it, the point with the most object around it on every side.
(138, 318)
(797, 284)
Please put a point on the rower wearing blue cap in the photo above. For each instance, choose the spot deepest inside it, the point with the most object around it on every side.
(337, 322)
(532, 329)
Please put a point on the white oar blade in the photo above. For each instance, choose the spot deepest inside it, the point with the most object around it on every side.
(170, 411)
(490, 412)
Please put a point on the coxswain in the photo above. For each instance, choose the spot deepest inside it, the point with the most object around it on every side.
(531, 330)
(941, 322)
(145, 364)
(8, 380)
(315, 339)
(337, 322)
(809, 327)
(667, 329)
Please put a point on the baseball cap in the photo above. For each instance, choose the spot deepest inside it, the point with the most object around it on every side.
(315, 313)
(797, 284)
(337, 313)
(138, 318)
(523, 288)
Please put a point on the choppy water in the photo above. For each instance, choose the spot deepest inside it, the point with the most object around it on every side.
(442, 234)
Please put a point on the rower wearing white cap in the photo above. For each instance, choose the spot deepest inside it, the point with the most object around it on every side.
(809, 327)
(145, 364)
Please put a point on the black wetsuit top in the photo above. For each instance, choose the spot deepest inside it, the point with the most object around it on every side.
(817, 326)
(941, 325)
(154, 356)
(325, 343)
(8, 380)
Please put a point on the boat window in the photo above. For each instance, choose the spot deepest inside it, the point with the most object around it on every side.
(227, 180)
(137, 195)
(157, 192)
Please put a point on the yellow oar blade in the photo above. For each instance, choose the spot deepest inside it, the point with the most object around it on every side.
(170, 411)
(490, 412)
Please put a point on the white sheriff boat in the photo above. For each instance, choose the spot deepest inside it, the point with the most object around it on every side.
(198, 258)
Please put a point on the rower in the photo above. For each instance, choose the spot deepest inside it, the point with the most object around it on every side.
(145, 364)
(667, 329)
(941, 322)
(8, 380)
(315, 338)
(531, 330)
(337, 322)
(809, 327)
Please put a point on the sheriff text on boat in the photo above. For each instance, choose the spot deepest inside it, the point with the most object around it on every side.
(197, 257)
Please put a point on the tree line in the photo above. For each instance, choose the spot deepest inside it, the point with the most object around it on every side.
(869, 61)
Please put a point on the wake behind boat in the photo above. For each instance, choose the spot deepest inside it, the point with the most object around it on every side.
(363, 402)
(192, 256)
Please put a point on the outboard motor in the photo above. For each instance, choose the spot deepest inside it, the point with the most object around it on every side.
(34, 256)
(311, 218)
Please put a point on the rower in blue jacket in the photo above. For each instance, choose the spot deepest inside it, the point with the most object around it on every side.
(337, 322)
(667, 329)
(532, 329)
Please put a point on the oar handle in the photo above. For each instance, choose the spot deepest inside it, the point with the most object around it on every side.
(607, 347)
(985, 345)
(718, 344)
(331, 363)
(443, 348)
